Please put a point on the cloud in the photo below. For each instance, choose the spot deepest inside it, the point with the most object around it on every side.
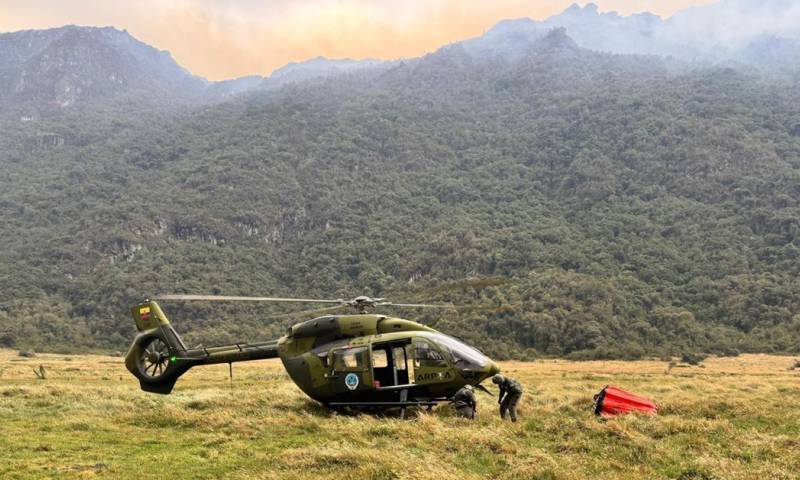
(224, 39)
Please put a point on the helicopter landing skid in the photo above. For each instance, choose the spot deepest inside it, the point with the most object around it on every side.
(384, 404)
(403, 403)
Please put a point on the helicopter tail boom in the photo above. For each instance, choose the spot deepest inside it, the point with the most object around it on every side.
(158, 356)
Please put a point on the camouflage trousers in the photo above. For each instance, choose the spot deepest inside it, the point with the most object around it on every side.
(509, 404)
(465, 411)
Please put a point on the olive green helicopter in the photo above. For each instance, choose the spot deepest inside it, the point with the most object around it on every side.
(362, 360)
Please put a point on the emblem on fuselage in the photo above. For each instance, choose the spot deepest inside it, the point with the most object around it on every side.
(351, 380)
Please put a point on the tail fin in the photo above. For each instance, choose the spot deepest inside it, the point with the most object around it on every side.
(153, 356)
(158, 356)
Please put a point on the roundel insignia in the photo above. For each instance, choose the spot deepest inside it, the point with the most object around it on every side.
(351, 380)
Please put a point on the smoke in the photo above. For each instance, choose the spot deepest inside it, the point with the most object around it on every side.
(732, 24)
(719, 31)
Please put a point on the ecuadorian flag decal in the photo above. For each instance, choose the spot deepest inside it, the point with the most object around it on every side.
(144, 313)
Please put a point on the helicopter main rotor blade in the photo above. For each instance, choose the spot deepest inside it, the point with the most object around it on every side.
(308, 312)
(225, 298)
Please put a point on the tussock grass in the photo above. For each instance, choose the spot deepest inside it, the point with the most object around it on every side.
(734, 418)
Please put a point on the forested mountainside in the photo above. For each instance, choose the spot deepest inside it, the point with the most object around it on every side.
(569, 202)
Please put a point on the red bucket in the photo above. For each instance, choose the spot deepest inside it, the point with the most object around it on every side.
(614, 401)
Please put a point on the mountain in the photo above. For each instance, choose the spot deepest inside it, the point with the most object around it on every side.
(571, 202)
(236, 86)
(52, 70)
(62, 67)
(319, 67)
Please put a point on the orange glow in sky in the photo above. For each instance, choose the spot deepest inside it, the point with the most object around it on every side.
(221, 39)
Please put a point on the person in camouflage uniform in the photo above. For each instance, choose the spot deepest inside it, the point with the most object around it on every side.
(510, 393)
(465, 403)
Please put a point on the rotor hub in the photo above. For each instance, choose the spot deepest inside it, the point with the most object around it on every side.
(154, 357)
(363, 302)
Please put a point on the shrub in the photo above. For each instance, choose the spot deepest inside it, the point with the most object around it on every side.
(693, 358)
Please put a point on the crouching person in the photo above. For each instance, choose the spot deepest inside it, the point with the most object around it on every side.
(465, 403)
(510, 393)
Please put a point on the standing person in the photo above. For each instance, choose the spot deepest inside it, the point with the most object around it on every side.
(465, 403)
(510, 393)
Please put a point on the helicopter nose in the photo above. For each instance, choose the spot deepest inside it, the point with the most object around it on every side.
(477, 374)
(487, 371)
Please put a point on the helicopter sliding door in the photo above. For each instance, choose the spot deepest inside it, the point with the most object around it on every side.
(392, 364)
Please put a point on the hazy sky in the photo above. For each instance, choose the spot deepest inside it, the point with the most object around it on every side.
(222, 39)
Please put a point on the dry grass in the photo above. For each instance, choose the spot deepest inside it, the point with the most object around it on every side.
(730, 418)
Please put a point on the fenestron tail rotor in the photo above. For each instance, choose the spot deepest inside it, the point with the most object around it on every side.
(154, 358)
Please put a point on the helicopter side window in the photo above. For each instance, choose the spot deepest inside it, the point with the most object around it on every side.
(379, 359)
(426, 356)
(350, 359)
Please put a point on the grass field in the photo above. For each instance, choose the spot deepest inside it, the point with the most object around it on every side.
(729, 418)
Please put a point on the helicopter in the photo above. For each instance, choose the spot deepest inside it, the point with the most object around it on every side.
(361, 360)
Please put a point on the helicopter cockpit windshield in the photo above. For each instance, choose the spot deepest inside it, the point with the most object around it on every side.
(464, 356)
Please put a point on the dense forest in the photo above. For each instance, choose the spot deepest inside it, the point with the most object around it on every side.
(568, 203)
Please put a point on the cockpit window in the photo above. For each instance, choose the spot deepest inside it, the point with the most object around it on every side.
(427, 356)
(464, 356)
